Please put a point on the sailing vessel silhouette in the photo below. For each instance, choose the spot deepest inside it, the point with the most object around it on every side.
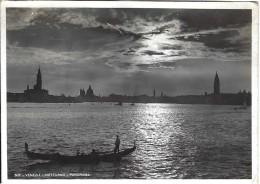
(244, 106)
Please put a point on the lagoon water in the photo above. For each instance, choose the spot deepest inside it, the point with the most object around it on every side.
(173, 141)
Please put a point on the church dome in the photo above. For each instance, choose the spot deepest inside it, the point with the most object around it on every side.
(89, 92)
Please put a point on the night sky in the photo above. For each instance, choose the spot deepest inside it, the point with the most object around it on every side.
(129, 51)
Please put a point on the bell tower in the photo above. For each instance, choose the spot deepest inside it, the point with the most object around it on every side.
(216, 84)
(38, 85)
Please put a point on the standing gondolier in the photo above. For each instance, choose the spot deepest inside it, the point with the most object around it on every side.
(117, 143)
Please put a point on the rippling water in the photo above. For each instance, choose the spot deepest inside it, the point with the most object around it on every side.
(173, 141)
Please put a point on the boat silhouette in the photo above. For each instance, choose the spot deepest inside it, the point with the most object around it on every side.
(119, 103)
(244, 106)
(109, 156)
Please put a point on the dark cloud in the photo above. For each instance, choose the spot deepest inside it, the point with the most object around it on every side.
(178, 53)
(172, 47)
(193, 19)
(65, 38)
(157, 65)
(70, 30)
(129, 51)
(108, 19)
(222, 40)
(123, 50)
(196, 20)
(120, 65)
(150, 53)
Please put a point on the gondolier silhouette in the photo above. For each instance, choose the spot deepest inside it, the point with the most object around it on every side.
(117, 143)
(26, 147)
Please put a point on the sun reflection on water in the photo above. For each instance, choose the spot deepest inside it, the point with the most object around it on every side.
(158, 131)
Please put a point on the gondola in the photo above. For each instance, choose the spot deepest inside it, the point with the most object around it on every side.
(78, 159)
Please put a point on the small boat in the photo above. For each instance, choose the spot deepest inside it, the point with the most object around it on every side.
(119, 103)
(78, 159)
(132, 102)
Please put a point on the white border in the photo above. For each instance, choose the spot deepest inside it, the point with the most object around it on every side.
(135, 4)
(3, 97)
(130, 4)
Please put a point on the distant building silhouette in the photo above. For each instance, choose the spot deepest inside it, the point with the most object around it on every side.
(216, 84)
(90, 93)
(37, 93)
(82, 93)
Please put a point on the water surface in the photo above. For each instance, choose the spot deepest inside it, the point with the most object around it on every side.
(173, 141)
